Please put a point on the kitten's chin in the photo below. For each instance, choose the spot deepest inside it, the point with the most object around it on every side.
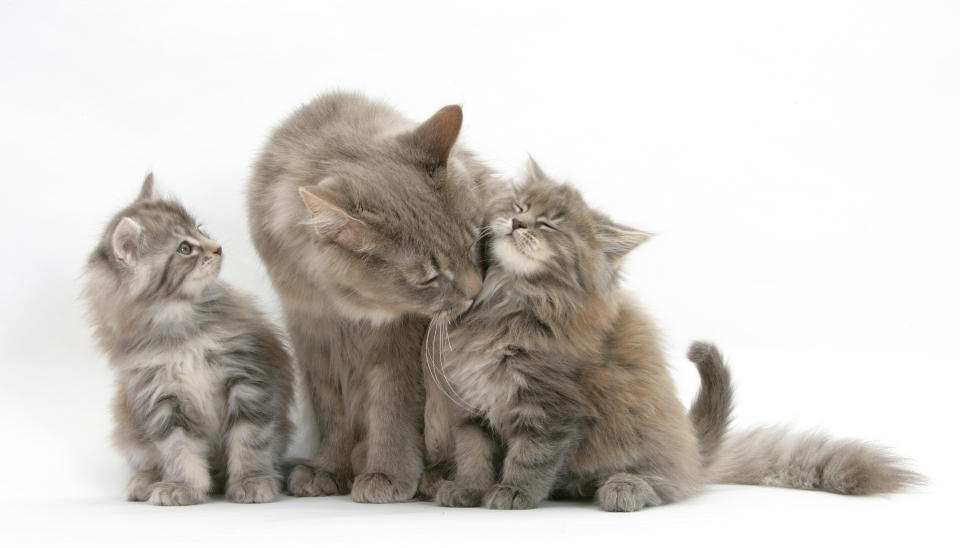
(512, 260)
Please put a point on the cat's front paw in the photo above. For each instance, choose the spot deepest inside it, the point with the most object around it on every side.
(508, 497)
(253, 489)
(306, 481)
(430, 481)
(175, 494)
(378, 488)
(626, 493)
(456, 496)
(140, 487)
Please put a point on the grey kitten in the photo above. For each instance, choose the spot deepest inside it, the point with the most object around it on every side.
(555, 383)
(366, 222)
(204, 383)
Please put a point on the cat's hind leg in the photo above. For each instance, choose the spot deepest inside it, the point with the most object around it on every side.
(626, 492)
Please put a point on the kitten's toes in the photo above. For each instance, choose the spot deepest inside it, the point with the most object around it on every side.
(508, 497)
(253, 489)
(140, 486)
(304, 480)
(455, 496)
(379, 488)
(626, 493)
(174, 494)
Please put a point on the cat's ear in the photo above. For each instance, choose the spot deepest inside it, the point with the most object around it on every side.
(147, 190)
(534, 173)
(334, 223)
(434, 139)
(616, 240)
(126, 241)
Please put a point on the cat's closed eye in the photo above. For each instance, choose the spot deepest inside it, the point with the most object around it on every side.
(429, 281)
(545, 225)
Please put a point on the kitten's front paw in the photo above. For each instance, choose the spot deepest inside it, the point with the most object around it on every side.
(455, 496)
(174, 494)
(253, 489)
(508, 497)
(378, 488)
(307, 481)
(140, 486)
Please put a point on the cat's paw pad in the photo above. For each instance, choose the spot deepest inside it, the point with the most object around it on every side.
(626, 495)
(174, 494)
(455, 496)
(306, 481)
(378, 488)
(253, 489)
(508, 497)
(140, 487)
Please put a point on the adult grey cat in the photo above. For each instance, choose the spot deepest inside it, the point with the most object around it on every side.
(204, 383)
(555, 383)
(367, 224)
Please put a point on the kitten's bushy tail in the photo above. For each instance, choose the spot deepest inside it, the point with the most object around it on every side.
(777, 457)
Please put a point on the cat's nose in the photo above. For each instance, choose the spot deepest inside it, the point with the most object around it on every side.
(517, 223)
(218, 251)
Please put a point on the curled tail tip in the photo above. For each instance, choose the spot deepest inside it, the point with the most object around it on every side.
(702, 351)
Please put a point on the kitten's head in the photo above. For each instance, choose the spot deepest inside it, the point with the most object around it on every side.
(156, 251)
(545, 233)
(402, 220)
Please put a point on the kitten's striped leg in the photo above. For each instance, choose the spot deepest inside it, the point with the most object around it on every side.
(475, 453)
(185, 472)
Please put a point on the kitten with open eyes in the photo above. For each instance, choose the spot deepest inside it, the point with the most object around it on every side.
(555, 383)
(204, 383)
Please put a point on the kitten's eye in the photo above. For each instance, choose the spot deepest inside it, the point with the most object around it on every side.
(519, 208)
(428, 281)
(185, 248)
(545, 225)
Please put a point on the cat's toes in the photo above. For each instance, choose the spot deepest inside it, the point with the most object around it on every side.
(306, 481)
(140, 486)
(174, 494)
(380, 488)
(455, 496)
(253, 489)
(626, 495)
(508, 497)
(430, 481)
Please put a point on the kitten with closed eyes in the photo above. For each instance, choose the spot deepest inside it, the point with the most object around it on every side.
(555, 383)
(204, 382)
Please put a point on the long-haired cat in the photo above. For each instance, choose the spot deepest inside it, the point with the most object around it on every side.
(555, 383)
(366, 222)
(204, 383)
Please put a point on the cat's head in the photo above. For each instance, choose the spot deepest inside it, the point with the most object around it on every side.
(544, 232)
(402, 224)
(156, 250)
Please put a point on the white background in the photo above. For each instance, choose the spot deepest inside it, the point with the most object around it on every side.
(798, 163)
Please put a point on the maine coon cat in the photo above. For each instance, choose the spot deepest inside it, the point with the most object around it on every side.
(204, 383)
(555, 383)
(367, 224)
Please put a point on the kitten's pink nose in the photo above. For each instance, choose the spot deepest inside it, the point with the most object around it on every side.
(517, 223)
(219, 251)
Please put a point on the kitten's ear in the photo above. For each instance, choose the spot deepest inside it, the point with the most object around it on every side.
(126, 240)
(616, 241)
(334, 223)
(534, 173)
(147, 191)
(436, 137)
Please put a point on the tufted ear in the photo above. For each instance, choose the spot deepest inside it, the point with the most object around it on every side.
(534, 173)
(147, 191)
(336, 224)
(435, 138)
(126, 241)
(616, 241)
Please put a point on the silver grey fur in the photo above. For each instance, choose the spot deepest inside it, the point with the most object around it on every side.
(554, 383)
(366, 222)
(203, 380)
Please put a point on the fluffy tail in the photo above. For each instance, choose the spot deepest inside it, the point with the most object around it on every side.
(714, 402)
(775, 456)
